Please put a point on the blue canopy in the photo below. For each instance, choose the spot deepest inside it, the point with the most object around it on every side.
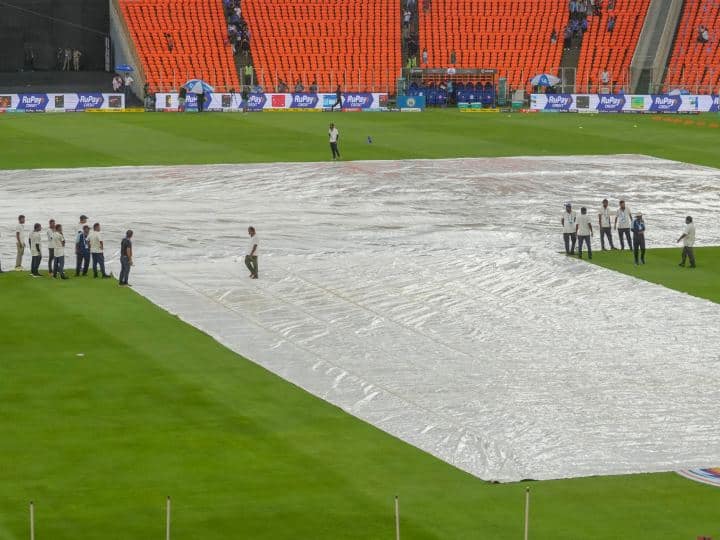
(125, 68)
(198, 86)
(544, 79)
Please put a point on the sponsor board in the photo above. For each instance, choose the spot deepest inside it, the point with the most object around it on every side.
(624, 103)
(54, 103)
(411, 102)
(268, 102)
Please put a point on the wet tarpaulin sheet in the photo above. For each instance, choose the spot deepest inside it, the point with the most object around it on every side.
(429, 298)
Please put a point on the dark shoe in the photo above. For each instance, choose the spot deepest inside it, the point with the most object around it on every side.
(693, 266)
(64, 277)
(682, 265)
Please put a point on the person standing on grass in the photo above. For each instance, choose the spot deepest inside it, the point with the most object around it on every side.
(97, 251)
(583, 229)
(605, 225)
(126, 258)
(59, 242)
(623, 221)
(20, 242)
(82, 250)
(638, 229)
(688, 240)
(334, 136)
(251, 255)
(568, 221)
(35, 253)
(338, 99)
(51, 245)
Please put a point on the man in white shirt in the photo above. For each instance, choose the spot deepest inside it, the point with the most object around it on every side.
(605, 225)
(334, 136)
(688, 240)
(20, 240)
(623, 221)
(35, 253)
(51, 245)
(251, 254)
(568, 221)
(584, 231)
(97, 251)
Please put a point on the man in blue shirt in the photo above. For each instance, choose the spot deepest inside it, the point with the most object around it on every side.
(82, 251)
(638, 230)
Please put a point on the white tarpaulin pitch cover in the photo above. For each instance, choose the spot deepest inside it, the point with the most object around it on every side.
(429, 298)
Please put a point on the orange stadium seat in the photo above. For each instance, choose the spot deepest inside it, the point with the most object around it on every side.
(611, 50)
(512, 36)
(199, 33)
(356, 44)
(695, 65)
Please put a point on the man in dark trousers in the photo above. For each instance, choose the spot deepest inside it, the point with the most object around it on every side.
(97, 251)
(338, 99)
(623, 223)
(605, 225)
(126, 258)
(251, 255)
(35, 253)
(638, 229)
(334, 136)
(568, 221)
(82, 251)
(688, 240)
(583, 230)
(51, 245)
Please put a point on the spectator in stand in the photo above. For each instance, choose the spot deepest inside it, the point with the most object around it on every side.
(117, 83)
(604, 76)
(410, 4)
(169, 41)
(425, 57)
(553, 37)
(182, 97)
(453, 58)
(703, 34)
(611, 5)
(67, 54)
(572, 8)
(282, 87)
(299, 88)
(76, 59)
(314, 87)
(248, 71)
(567, 37)
(583, 27)
(611, 24)
(406, 18)
(427, 5)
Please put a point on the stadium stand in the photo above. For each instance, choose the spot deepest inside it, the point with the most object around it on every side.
(354, 43)
(199, 42)
(695, 65)
(512, 37)
(602, 49)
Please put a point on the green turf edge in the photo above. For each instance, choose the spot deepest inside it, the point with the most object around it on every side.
(156, 407)
(662, 268)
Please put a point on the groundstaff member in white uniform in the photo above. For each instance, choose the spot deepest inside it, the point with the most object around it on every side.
(20, 240)
(59, 240)
(568, 220)
(605, 225)
(584, 232)
(623, 221)
(251, 255)
(97, 251)
(35, 253)
(688, 240)
(334, 136)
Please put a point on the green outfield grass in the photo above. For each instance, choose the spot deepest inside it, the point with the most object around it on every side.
(74, 140)
(662, 268)
(156, 408)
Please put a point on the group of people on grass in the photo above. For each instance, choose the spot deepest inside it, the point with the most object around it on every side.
(88, 244)
(578, 229)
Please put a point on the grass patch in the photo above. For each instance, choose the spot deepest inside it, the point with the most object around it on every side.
(77, 140)
(662, 268)
(156, 407)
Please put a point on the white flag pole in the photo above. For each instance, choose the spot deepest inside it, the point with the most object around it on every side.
(397, 518)
(527, 512)
(32, 520)
(167, 519)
